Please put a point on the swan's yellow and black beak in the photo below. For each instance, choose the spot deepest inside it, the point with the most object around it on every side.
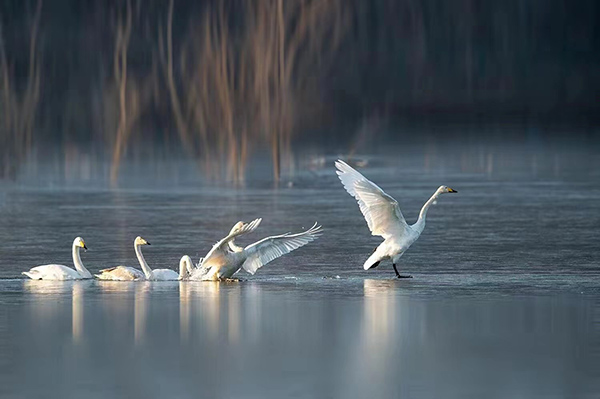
(451, 190)
(82, 245)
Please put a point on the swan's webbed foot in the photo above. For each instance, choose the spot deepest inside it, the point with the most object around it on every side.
(398, 275)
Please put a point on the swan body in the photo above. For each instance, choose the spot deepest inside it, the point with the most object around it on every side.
(120, 273)
(61, 272)
(125, 273)
(164, 275)
(383, 215)
(185, 268)
(226, 258)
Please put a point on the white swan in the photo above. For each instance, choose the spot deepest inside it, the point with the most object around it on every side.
(186, 267)
(225, 258)
(383, 216)
(156, 274)
(126, 273)
(61, 272)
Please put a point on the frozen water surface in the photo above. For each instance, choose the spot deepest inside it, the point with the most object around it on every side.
(504, 302)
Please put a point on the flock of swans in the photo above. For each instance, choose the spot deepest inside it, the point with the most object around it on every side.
(225, 258)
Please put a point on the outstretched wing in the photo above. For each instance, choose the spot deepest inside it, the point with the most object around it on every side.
(264, 251)
(220, 248)
(381, 211)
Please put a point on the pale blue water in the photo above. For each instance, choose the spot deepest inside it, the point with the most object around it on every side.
(504, 302)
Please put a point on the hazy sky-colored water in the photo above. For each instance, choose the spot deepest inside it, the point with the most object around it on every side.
(503, 303)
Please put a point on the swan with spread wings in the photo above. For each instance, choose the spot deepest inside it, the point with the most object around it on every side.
(226, 258)
(383, 216)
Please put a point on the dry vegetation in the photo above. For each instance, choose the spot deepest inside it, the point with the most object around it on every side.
(230, 83)
(228, 78)
(243, 82)
(18, 105)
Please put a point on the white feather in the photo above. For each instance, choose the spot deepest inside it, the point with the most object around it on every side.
(268, 249)
(383, 215)
(61, 272)
(381, 211)
(222, 262)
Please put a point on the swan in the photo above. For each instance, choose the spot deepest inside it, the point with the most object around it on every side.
(186, 267)
(126, 273)
(383, 216)
(226, 258)
(61, 272)
(156, 274)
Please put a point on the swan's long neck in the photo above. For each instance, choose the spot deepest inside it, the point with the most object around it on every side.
(185, 267)
(420, 225)
(78, 264)
(143, 264)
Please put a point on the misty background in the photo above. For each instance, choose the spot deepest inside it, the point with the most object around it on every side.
(222, 80)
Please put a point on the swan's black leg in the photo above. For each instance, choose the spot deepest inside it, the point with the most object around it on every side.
(398, 275)
(396, 270)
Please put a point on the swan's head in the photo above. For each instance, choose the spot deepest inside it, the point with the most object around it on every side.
(79, 243)
(140, 241)
(237, 227)
(446, 189)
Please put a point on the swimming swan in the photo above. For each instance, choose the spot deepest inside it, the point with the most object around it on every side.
(225, 258)
(126, 273)
(156, 274)
(383, 216)
(186, 267)
(61, 272)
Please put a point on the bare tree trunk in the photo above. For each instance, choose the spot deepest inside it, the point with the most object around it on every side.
(120, 71)
(16, 130)
(245, 75)
(167, 63)
(32, 93)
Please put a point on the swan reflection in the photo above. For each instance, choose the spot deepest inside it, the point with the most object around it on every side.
(140, 311)
(378, 338)
(214, 306)
(379, 312)
(119, 295)
(212, 311)
(49, 309)
(77, 312)
(184, 311)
